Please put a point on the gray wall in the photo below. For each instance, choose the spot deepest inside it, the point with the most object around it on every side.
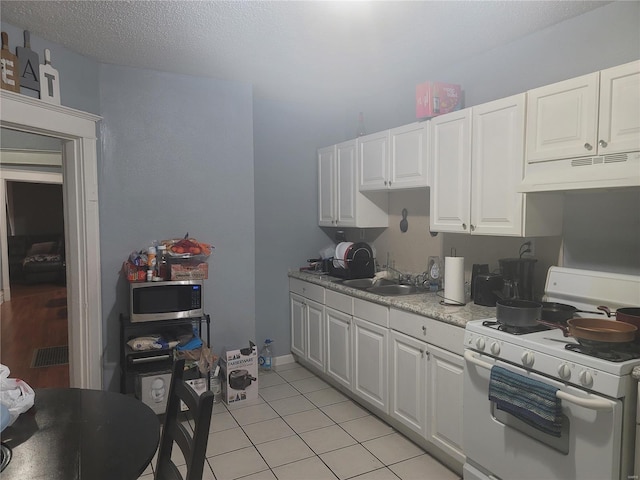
(177, 157)
(602, 231)
(286, 137)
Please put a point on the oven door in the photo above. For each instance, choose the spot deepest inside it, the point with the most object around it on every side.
(499, 445)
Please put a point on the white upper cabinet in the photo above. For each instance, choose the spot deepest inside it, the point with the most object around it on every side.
(497, 165)
(595, 114)
(340, 204)
(408, 166)
(478, 164)
(373, 156)
(562, 119)
(327, 186)
(346, 169)
(451, 163)
(394, 159)
(619, 118)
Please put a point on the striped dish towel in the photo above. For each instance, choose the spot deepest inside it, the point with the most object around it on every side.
(531, 401)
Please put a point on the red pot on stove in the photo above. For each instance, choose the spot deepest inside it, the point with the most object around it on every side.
(628, 315)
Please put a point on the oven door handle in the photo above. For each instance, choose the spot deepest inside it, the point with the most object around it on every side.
(590, 403)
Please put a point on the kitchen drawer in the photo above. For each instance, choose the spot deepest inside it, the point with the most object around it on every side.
(427, 329)
(308, 290)
(339, 301)
(372, 312)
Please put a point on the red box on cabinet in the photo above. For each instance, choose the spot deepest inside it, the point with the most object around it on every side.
(436, 98)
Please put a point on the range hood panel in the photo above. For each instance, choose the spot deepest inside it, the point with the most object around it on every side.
(602, 171)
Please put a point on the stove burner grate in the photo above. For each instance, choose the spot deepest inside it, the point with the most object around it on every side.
(514, 330)
(622, 354)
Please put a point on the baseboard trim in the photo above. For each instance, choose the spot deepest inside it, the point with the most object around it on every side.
(283, 359)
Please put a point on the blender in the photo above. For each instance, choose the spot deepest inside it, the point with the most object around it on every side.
(518, 277)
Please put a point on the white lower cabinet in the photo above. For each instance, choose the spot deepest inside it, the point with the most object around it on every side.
(315, 334)
(297, 312)
(306, 310)
(370, 343)
(307, 329)
(407, 380)
(338, 346)
(426, 380)
(407, 368)
(445, 373)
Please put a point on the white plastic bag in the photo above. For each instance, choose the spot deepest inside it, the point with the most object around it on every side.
(15, 394)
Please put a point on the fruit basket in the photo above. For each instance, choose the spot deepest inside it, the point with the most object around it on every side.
(187, 249)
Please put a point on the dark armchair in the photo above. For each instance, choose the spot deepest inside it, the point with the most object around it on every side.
(44, 261)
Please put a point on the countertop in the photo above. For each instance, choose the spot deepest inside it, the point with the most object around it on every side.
(426, 304)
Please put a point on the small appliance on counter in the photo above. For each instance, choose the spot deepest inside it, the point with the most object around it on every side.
(353, 260)
(477, 269)
(487, 289)
(518, 277)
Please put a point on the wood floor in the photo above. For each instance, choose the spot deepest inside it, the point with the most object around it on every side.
(35, 317)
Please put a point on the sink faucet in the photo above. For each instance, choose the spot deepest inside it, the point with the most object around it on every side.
(403, 278)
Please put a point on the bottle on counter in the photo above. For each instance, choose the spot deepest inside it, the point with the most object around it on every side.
(216, 385)
(151, 258)
(162, 267)
(265, 358)
(434, 273)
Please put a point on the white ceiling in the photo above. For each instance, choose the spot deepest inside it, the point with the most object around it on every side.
(289, 48)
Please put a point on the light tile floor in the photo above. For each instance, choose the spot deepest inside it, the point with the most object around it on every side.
(301, 428)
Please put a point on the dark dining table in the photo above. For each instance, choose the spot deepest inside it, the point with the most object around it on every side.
(73, 433)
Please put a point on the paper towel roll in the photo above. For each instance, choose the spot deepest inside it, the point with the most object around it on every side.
(454, 281)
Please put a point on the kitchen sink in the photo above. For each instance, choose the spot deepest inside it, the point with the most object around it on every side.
(393, 289)
(365, 283)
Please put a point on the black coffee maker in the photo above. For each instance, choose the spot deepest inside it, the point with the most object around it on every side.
(518, 277)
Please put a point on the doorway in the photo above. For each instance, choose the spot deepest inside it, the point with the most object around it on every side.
(34, 327)
(77, 132)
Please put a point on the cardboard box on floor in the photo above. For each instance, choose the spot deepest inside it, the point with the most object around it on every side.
(239, 374)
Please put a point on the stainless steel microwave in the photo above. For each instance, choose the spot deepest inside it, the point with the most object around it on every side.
(153, 301)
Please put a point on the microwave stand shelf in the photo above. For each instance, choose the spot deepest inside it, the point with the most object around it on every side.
(134, 363)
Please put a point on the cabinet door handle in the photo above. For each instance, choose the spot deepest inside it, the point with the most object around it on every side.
(424, 330)
(588, 146)
(472, 228)
(385, 183)
(603, 144)
(389, 182)
(464, 226)
(422, 352)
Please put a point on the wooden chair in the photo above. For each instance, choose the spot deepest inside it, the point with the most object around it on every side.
(174, 431)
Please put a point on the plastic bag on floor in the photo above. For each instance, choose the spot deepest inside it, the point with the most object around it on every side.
(15, 394)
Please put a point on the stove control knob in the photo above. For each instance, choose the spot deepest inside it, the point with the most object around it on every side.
(586, 378)
(480, 343)
(527, 358)
(564, 371)
(495, 348)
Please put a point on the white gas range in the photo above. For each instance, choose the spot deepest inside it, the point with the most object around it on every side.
(597, 395)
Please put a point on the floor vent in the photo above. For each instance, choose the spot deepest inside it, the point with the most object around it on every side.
(49, 356)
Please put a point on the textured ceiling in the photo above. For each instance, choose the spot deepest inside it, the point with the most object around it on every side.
(288, 48)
